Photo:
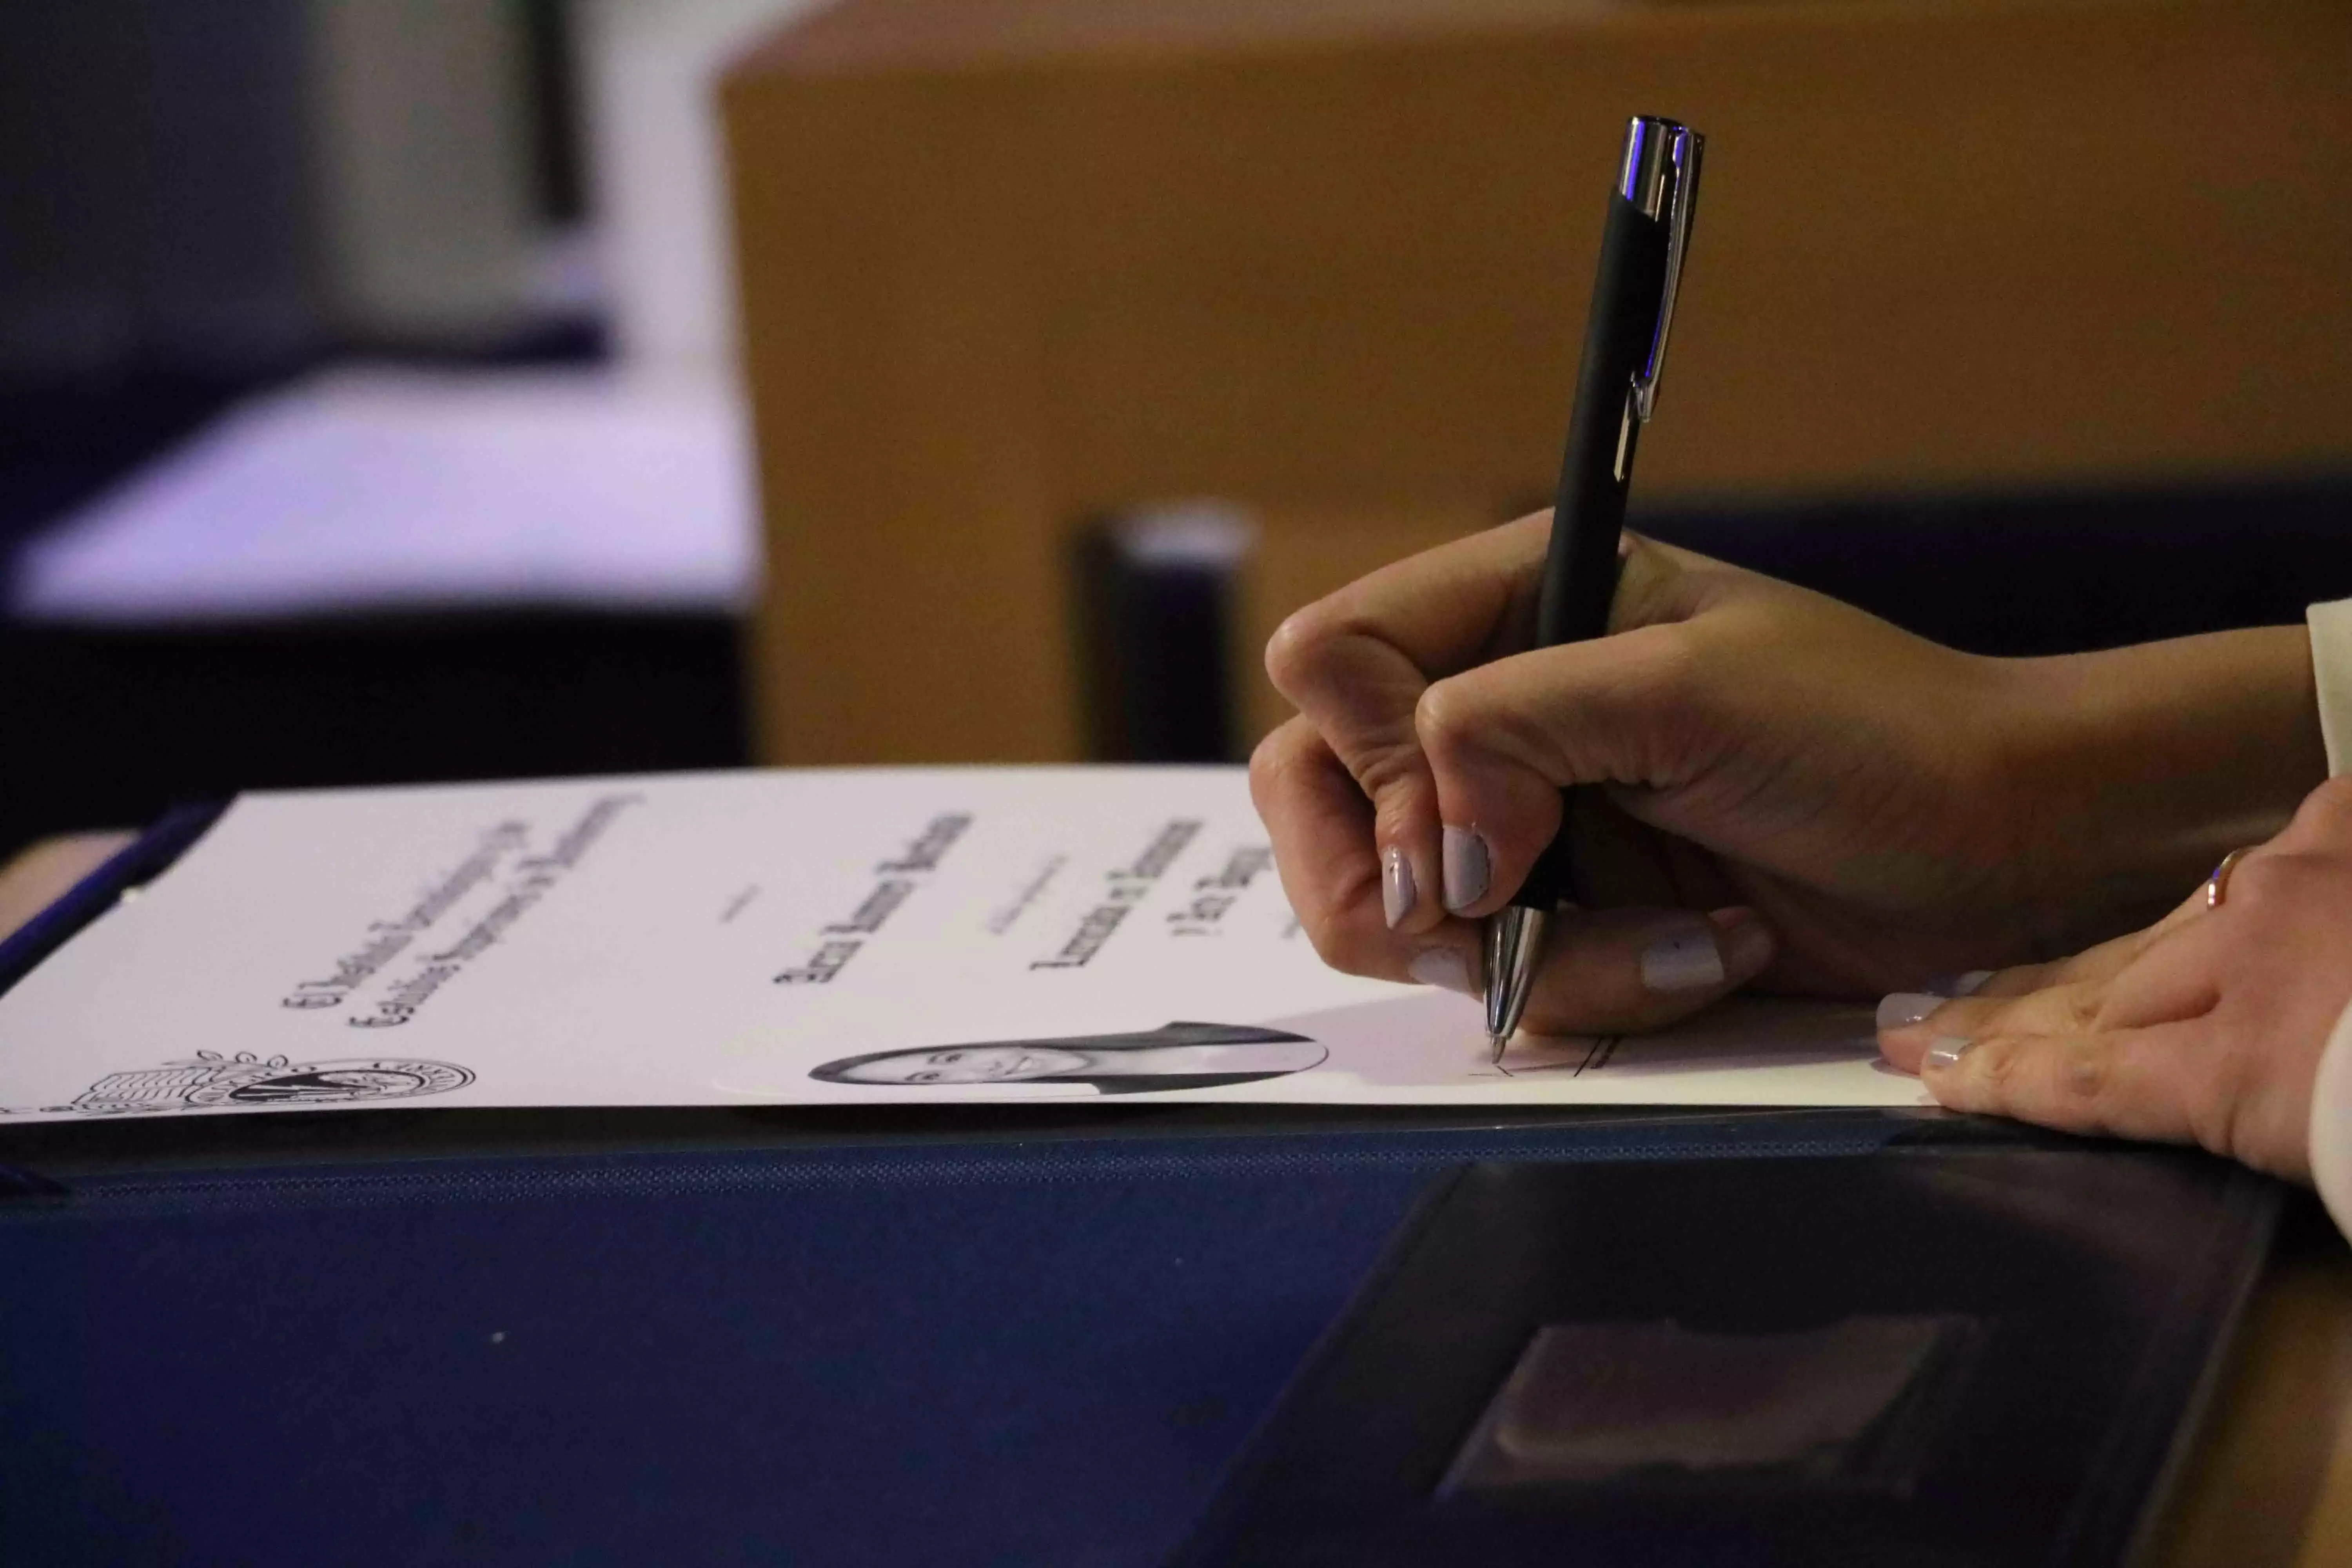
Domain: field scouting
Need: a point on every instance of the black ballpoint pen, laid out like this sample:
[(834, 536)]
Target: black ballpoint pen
[(1641, 251)]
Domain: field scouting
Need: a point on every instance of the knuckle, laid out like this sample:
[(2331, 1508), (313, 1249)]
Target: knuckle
[(2082, 1073), (1275, 755), (1300, 650), (2262, 881), (1443, 716), (2078, 1007), (1479, 714), (1328, 654), (1996, 1062)]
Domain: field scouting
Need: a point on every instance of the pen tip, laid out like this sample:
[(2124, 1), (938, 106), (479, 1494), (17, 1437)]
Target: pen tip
[(1497, 1042)]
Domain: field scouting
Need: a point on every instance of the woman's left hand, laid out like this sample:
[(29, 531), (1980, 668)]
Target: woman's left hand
[(2207, 1027)]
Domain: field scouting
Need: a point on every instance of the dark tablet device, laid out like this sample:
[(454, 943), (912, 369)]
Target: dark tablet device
[(1948, 1355)]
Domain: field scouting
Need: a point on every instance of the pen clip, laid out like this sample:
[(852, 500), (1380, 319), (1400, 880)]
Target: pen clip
[(1682, 159)]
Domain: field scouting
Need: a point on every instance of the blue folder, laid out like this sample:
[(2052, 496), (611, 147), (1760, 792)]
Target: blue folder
[(866, 1336)]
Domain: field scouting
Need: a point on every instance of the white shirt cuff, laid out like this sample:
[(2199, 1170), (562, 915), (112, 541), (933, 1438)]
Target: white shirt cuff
[(2331, 1125), (2331, 1092), (2331, 667)]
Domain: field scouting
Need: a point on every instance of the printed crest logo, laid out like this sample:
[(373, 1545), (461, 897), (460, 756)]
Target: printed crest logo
[(210, 1080)]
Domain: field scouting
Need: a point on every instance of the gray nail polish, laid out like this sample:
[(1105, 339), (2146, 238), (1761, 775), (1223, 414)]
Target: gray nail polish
[(1442, 966), (1903, 1008), (1689, 959), (1946, 1053), (1397, 891), (1467, 868)]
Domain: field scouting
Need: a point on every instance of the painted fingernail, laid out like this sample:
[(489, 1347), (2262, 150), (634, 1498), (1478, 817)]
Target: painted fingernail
[(1688, 960), (1746, 941), (1904, 1007), (1967, 984), (1397, 891), (1442, 966), (1467, 868), (1946, 1053)]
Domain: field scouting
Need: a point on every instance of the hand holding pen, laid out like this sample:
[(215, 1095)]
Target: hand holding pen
[(1643, 245), (1785, 792), (1411, 733), (1330, 669), (1777, 789)]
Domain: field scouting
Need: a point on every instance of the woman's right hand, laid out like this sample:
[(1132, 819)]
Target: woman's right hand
[(1790, 791), (2208, 1028)]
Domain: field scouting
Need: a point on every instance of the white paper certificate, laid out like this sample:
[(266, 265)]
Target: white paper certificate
[(901, 935)]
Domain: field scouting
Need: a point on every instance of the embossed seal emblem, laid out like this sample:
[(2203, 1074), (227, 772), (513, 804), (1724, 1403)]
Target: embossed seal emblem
[(209, 1080)]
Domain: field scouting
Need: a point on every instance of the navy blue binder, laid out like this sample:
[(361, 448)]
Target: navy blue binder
[(870, 1336)]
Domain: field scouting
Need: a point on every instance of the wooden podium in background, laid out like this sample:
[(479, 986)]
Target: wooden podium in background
[(1010, 264)]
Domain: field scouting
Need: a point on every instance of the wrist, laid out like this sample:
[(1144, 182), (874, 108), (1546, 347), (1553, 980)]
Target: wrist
[(2131, 772)]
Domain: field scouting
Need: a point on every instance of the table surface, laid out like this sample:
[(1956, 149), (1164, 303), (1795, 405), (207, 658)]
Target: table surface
[(2270, 1486)]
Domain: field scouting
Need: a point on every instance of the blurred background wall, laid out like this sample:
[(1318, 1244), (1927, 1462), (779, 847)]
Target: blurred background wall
[(2024, 323), (402, 389), (158, 198), (242, 185), (368, 399)]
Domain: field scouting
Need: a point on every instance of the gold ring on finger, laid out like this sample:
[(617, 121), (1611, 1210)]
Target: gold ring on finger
[(2216, 886)]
